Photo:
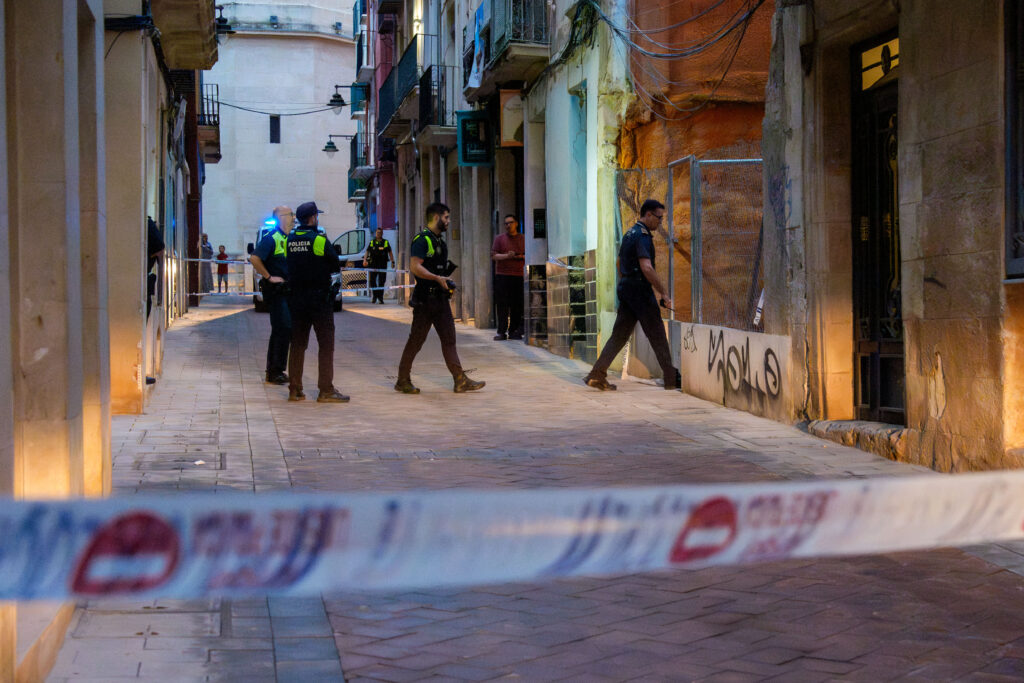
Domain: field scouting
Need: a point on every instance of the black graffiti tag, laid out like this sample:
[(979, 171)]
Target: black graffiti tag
[(732, 367)]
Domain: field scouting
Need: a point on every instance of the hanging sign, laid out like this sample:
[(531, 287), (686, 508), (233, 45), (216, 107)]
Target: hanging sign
[(475, 139)]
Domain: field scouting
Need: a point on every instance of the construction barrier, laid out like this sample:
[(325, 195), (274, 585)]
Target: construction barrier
[(193, 546)]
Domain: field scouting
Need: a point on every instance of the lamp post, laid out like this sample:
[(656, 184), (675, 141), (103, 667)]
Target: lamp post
[(337, 101), (330, 148)]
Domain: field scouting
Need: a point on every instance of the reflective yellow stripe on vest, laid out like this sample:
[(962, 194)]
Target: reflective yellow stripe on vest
[(319, 244), (430, 243), (280, 244)]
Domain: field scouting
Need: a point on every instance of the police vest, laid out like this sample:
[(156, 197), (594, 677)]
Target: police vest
[(378, 251), (311, 260)]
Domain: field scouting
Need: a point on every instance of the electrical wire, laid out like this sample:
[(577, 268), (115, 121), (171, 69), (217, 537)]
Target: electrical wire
[(275, 113)]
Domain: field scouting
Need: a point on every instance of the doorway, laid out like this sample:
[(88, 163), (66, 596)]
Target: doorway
[(880, 387)]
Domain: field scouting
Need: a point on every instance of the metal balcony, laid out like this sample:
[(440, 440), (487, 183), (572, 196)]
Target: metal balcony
[(516, 46), (209, 124), (387, 104), (358, 16), (356, 189), (437, 101), (402, 85), (360, 100), (364, 69), (359, 156)]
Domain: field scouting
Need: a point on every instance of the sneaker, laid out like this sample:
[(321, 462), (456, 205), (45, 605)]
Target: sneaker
[(332, 396), (500, 337), (296, 395), (277, 378), (601, 383), (463, 384), (406, 387)]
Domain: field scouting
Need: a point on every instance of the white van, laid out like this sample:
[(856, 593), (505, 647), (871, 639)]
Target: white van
[(351, 247)]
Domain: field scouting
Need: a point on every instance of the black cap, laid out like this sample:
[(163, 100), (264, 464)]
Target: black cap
[(306, 210)]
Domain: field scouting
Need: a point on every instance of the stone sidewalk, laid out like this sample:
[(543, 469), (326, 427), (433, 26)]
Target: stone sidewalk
[(213, 425)]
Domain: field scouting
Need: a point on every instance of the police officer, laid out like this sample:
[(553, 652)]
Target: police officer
[(311, 261), (269, 260), (378, 253), (638, 283), (428, 261)]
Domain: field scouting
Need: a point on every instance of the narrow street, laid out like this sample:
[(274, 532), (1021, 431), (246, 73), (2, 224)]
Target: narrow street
[(212, 424)]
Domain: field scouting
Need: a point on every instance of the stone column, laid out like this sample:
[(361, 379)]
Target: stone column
[(44, 249), (481, 255)]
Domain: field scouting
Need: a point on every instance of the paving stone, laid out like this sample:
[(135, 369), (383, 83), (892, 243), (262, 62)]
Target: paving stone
[(935, 615)]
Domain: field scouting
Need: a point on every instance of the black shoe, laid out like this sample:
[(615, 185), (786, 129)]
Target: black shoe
[(601, 383), (296, 395), (463, 384), (406, 387), (278, 378), (677, 385), (332, 396), (517, 336), (150, 380), (500, 337)]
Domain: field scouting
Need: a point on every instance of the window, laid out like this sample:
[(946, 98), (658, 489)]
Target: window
[(1014, 144), (275, 129)]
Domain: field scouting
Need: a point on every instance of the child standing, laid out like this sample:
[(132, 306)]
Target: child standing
[(222, 270)]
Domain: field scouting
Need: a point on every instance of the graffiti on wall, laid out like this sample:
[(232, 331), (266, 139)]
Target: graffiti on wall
[(745, 370)]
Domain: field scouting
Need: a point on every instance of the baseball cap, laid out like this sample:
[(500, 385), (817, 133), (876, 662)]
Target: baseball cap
[(305, 210)]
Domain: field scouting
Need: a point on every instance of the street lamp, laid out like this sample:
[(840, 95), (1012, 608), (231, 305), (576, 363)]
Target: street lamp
[(337, 101), (332, 148)]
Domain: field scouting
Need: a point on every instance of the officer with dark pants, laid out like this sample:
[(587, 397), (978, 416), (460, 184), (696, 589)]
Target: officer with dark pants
[(269, 260), (311, 261), (638, 284), (378, 253), (428, 261)]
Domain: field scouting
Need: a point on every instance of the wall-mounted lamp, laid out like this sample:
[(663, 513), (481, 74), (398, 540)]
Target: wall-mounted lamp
[(332, 148), (222, 27), (337, 101)]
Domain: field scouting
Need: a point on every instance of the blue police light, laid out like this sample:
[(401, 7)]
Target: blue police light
[(270, 222)]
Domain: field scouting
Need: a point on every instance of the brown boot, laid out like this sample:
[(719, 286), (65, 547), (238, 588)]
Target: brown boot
[(601, 383), (463, 384), (332, 396), (406, 386), (296, 395)]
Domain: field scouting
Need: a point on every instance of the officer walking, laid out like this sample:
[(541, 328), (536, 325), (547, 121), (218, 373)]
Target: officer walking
[(429, 262), (638, 283), (311, 261), (378, 253), (269, 260)]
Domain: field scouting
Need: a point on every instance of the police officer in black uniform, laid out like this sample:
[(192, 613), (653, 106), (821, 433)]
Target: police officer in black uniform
[(311, 261), (378, 253), (638, 283), (429, 262), (270, 261)]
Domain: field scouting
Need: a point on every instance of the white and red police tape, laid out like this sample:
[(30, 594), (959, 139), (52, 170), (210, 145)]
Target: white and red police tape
[(198, 545)]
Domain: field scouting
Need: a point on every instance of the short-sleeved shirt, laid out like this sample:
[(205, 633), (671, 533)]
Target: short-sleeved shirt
[(378, 252), (222, 268), (273, 252), (505, 243), (637, 244), (434, 252)]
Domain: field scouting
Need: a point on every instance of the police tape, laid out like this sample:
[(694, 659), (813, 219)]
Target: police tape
[(239, 544)]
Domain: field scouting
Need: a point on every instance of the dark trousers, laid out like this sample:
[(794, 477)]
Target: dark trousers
[(637, 304), (377, 285), (280, 332), (433, 311), (508, 299), (318, 315)]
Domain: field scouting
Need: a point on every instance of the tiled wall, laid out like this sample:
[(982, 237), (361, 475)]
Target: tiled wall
[(572, 307), (536, 309)]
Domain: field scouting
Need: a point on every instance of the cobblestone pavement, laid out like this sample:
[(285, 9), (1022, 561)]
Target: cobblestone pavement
[(213, 425)]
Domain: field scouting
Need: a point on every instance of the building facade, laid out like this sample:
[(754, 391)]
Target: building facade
[(892, 218), (282, 61)]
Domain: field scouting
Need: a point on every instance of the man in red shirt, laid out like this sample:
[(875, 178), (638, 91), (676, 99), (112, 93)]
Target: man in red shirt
[(222, 270), (508, 253)]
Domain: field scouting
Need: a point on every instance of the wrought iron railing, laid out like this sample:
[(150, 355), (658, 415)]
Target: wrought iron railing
[(360, 49), (517, 21), (387, 101), (438, 96), (358, 151), (408, 69), (360, 97), (209, 114)]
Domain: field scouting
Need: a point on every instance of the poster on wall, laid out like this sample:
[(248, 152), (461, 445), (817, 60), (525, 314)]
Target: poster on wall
[(475, 143), (480, 23), (511, 119)]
